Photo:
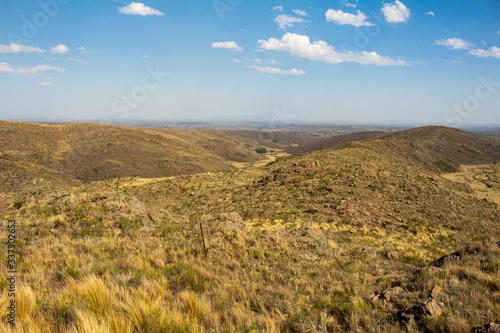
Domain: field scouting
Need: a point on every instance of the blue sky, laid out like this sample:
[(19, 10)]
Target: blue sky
[(317, 62)]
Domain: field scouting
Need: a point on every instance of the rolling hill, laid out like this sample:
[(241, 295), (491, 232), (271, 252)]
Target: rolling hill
[(335, 140), (397, 233), (71, 154)]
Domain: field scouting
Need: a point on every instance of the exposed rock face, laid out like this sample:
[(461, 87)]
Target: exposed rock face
[(426, 270), (225, 221), (488, 328), (393, 255), (389, 295), (231, 220), (417, 312)]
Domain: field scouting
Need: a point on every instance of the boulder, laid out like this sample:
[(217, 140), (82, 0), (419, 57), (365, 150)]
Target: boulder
[(392, 255), (417, 312), (426, 270), (488, 328)]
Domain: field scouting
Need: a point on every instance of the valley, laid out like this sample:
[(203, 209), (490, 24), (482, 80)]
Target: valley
[(395, 232)]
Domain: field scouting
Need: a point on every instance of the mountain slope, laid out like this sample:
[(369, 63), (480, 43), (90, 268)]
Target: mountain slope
[(68, 154), (368, 236)]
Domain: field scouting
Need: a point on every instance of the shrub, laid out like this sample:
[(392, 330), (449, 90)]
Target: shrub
[(261, 150)]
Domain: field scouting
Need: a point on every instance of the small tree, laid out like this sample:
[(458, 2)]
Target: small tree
[(261, 150)]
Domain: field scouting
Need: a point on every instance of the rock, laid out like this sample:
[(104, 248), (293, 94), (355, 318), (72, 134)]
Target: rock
[(393, 255), (313, 233), (144, 229), (488, 328), (418, 312), (426, 270), (136, 206), (389, 295), (454, 257), (431, 308), (352, 231), (229, 221), (436, 292)]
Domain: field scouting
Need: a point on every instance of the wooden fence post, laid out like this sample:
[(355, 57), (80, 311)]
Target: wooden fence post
[(203, 239)]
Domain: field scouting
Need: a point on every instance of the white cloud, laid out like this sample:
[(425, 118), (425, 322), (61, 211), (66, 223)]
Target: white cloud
[(48, 83), (395, 13), (454, 43), (300, 12), (59, 49), (77, 60), (18, 48), (275, 70), (498, 32), (273, 61), (146, 56), (349, 4), (492, 52), (457, 62), (237, 61), (6, 68), (138, 8), (341, 18), (285, 21), (259, 61), (231, 45), (430, 13), (84, 50), (278, 8), (300, 46)]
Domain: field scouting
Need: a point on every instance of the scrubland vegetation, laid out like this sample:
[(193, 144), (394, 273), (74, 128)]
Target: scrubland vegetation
[(372, 236)]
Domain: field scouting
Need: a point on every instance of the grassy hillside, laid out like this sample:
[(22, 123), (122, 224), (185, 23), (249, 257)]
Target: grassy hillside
[(71, 154), (386, 235)]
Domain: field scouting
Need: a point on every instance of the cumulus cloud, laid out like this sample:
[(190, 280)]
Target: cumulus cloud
[(59, 49), (492, 52), (275, 70), (258, 61), (231, 45), (430, 13), (278, 8), (6, 68), (342, 18), (285, 21), (395, 13), (300, 46), (237, 61), (454, 43), (18, 48), (300, 12), (138, 8)]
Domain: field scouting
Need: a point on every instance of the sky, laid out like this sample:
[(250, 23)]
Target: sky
[(295, 62)]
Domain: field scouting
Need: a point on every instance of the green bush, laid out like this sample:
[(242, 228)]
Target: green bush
[(261, 150)]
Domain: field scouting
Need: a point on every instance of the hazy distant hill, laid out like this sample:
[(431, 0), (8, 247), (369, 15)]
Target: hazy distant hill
[(337, 140), (278, 127), (490, 134)]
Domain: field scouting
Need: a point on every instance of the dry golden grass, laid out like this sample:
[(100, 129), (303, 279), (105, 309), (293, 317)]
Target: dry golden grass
[(316, 242)]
